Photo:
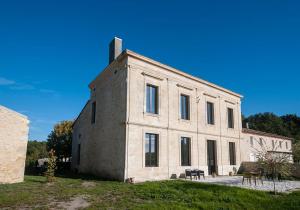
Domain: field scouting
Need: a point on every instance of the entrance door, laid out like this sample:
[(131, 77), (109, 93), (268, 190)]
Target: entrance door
[(211, 157)]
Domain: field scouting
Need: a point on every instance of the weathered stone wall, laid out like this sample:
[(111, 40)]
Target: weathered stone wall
[(13, 145), (114, 147), (103, 143), (250, 148)]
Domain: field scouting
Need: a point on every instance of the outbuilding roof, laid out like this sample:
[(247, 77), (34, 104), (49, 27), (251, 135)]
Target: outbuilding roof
[(261, 133)]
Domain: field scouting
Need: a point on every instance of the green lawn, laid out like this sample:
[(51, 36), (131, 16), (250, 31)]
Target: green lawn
[(36, 193)]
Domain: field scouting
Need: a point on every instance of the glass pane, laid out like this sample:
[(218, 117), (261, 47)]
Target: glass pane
[(148, 99), (185, 151), (151, 150), (232, 153), (184, 107), (230, 118), (147, 150), (151, 99), (210, 113)]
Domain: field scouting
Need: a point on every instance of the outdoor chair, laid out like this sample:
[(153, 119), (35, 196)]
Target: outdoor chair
[(247, 176), (256, 175), (200, 173), (191, 173)]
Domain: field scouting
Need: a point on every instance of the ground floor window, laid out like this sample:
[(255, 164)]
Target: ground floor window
[(78, 154), (232, 158), (151, 150), (185, 151)]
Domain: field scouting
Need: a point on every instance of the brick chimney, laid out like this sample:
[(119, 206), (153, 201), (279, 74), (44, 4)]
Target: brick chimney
[(115, 49)]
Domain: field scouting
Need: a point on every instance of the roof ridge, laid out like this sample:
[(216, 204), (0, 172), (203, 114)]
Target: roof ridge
[(248, 130)]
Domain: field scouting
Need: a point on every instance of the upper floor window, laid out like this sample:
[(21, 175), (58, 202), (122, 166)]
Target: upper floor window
[(185, 107), (230, 118), (251, 140), (280, 144), (260, 141), (273, 144), (93, 119), (210, 113), (286, 145), (151, 150), (185, 151), (232, 156), (152, 99)]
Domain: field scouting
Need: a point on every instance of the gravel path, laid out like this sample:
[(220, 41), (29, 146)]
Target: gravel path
[(283, 186)]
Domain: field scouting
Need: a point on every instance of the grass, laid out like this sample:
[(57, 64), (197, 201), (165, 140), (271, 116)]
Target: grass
[(34, 192)]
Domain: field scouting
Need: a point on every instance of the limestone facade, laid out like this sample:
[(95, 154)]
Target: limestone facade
[(13, 145), (113, 143), (255, 142)]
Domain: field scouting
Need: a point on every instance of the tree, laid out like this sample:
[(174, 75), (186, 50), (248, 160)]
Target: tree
[(286, 125), (267, 122), (60, 139), (35, 151), (296, 152), (274, 163), (51, 166)]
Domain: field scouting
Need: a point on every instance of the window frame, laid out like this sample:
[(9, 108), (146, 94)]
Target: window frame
[(78, 153), (148, 110), (189, 158), (232, 153), (261, 141), (93, 113), (212, 121), (251, 141), (187, 115), (150, 165), (230, 124), (280, 144)]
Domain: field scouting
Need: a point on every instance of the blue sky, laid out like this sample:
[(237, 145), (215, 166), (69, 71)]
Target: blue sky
[(51, 50)]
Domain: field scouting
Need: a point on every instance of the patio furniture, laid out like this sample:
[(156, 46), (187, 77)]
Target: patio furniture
[(196, 173), (247, 176), (256, 175), (199, 173)]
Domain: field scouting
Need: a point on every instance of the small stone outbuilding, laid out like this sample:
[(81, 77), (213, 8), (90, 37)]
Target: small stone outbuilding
[(13, 145)]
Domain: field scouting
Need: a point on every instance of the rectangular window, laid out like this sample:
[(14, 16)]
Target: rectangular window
[(93, 119), (230, 118), (152, 99), (232, 158), (185, 151), (251, 140), (185, 107), (260, 141), (210, 113), (78, 154), (280, 144), (286, 145), (151, 150), (273, 144)]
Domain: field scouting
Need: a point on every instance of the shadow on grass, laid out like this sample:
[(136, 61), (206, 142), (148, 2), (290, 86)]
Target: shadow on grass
[(87, 177)]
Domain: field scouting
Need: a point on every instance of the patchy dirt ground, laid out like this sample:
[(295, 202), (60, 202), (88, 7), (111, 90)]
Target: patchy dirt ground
[(78, 202), (88, 184)]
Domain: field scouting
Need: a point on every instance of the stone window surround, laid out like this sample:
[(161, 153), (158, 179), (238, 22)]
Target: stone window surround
[(191, 149), (148, 80), (158, 133)]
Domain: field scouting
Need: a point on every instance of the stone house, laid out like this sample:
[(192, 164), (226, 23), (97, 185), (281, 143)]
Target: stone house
[(256, 141), (150, 121), (13, 145)]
